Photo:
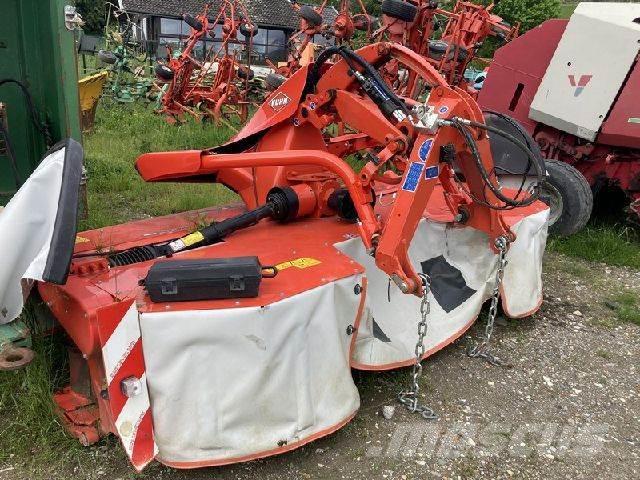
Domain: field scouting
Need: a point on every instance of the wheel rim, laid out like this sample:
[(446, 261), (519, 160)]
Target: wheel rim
[(551, 196)]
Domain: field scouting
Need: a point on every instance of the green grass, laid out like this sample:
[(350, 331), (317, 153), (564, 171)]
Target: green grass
[(611, 243), (626, 307), (29, 427), (116, 193)]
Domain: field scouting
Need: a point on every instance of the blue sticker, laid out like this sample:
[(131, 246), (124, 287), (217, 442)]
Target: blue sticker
[(425, 149), (443, 109), (413, 177), (431, 172)]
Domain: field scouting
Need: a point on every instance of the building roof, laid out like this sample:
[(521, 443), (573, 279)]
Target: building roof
[(271, 13), (274, 13)]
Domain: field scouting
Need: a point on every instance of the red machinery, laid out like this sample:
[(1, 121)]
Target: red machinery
[(414, 23), (190, 89), (172, 380), (574, 85), (302, 49)]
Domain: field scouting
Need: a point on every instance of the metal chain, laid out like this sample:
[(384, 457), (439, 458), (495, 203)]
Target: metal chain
[(409, 398), (481, 349)]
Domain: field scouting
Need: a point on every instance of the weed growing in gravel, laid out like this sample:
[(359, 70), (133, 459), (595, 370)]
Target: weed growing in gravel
[(626, 306)]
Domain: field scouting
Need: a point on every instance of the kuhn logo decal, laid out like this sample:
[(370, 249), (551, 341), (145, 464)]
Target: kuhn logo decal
[(279, 101), (580, 84)]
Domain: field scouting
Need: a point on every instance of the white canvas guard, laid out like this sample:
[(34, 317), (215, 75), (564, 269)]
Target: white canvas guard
[(235, 384), (40, 215), (462, 280)]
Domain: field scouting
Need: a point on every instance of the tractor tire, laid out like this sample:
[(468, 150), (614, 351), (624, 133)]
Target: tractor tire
[(244, 72), (398, 9), (193, 22), (310, 15), (163, 72), (569, 197), (273, 81), (437, 49), (105, 56), (248, 30)]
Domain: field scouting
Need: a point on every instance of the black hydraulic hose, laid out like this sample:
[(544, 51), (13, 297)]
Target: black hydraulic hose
[(462, 126), (375, 75), (35, 118)]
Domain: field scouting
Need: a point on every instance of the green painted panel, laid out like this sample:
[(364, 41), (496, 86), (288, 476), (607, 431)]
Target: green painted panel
[(37, 50)]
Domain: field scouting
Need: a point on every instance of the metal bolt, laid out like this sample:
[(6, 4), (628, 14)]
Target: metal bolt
[(357, 289), (350, 330), (131, 387), (312, 106), (296, 122)]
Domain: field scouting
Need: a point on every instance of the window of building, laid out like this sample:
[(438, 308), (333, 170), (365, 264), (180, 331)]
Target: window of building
[(267, 43)]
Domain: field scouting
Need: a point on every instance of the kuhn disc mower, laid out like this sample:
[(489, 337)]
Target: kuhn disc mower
[(575, 86), (235, 340), (218, 86)]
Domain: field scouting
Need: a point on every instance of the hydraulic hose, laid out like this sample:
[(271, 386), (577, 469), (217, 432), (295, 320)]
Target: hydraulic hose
[(372, 83), (462, 126)]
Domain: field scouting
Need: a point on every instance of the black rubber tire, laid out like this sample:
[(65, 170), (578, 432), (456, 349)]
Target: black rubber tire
[(310, 15), (163, 72), (437, 49), (398, 9), (244, 71), (577, 198), (193, 22), (273, 81), (105, 56), (248, 30)]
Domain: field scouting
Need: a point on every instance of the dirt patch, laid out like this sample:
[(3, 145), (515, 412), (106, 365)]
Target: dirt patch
[(569, 407)]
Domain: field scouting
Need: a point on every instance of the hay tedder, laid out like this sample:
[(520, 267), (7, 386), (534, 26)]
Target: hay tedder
[(302, 49), (465, 30), (235, 340), (216, 87)]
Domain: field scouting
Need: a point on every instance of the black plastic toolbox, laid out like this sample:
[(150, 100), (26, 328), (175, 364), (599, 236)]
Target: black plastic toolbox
[(206, 279)]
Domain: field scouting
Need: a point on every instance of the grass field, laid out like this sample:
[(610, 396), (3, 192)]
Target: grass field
[(28, 427), (115, 191)]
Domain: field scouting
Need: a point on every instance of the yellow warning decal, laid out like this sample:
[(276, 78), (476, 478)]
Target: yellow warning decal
[(192, 239), (299, 263), (80, 239)]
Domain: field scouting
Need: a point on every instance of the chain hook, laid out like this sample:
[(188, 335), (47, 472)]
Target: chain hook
[(409, 398), (481, 349)]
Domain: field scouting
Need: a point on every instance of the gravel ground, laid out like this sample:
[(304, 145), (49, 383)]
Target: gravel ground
[(568, 408)]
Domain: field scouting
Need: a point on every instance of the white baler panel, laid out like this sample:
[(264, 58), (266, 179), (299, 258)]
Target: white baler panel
[(592, 60)]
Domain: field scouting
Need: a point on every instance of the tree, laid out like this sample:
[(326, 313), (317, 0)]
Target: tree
[(530, 13), (93, 13)]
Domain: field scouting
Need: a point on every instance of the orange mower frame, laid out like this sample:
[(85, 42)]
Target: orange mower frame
[(287, 144)]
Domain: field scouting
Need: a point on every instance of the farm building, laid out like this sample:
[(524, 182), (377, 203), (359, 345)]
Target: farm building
[(162, 25)]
